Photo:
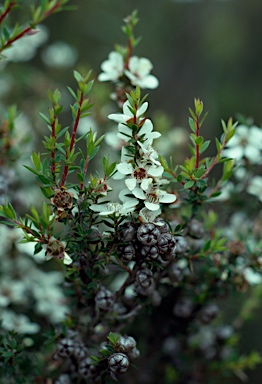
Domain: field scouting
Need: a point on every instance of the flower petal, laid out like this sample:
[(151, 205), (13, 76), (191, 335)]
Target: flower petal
[(130, 183), (151, 206)]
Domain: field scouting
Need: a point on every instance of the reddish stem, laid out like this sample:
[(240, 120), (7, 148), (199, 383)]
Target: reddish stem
[(17, 37), (85, 170), (209, 169), (8, 9), (53, 166), (73, 138), (197, 145), (129, 53), (27, 29)]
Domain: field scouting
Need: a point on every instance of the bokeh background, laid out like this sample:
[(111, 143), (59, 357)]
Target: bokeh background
[(211, 49)]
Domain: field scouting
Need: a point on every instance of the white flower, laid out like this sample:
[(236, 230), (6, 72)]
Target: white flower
[(113, 140), (127, 115), (145, 133), (255, 187), (252, 277), (147, 152), (59, 55), (20, 323), (141, 173), (147, 216), (115, 208), (139, 73), (246, 143), (113, 68), (154, 197)]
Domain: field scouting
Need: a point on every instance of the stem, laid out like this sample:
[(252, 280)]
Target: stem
[(85, 170), (17, 37), (129, 53), (215, 161), (73, 139), (175, 176), (197, 145), (53, 166), (26, 30), (8, 9), (50, 11)]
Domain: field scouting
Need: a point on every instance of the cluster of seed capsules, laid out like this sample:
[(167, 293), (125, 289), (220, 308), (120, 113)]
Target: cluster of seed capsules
[(79, 365), (146, 242)]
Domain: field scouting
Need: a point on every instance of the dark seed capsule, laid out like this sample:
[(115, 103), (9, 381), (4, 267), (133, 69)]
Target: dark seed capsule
[(208, 313), (148, 234), (150, 252), (182, 246), (126, 343), (127, 232), (183, 308), (126, 252), (166, 243), (161, 225), (144, 277), (65, 347), (195, 229), (118, 363), (104, 299), (86, 368)]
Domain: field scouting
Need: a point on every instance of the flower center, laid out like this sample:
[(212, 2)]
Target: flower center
[(152, 197), (140, 174)]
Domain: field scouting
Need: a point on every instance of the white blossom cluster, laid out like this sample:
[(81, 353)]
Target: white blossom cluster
[(137, 70), (24, 285), (245, 144), (245, 147), (139, 167)]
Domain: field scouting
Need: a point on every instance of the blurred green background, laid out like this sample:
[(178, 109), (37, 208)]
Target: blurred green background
[(209, 49)]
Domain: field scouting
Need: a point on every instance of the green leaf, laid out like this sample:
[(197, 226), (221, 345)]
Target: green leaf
[(45, 118), (192, 124), (36, 160), (31, 170), (72, 93), (192, 114), (199, 140), (113, 338), (204, 146), (9, 211), (189, 184), (78, 77)]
